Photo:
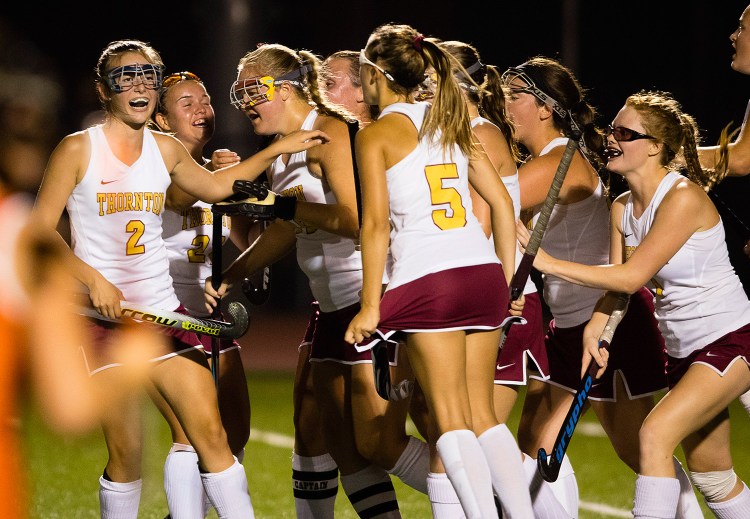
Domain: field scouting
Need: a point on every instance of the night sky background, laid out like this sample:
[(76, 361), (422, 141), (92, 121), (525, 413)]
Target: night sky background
[(615, 48)]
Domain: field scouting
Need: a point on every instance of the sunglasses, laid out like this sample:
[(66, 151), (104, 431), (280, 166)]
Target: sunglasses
[(623, 134), (364, 61), (177, 77), (122, 79), (247, 93)]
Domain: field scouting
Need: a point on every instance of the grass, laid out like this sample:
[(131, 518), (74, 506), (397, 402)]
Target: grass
[(63, 472)]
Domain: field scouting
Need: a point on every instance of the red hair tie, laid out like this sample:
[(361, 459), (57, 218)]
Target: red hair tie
[(417, 42)]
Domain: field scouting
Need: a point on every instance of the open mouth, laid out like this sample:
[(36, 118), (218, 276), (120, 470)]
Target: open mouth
[(201, 123), (610, 153), (139, 102)]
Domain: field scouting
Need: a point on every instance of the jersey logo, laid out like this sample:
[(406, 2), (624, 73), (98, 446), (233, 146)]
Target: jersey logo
[(109, 181)]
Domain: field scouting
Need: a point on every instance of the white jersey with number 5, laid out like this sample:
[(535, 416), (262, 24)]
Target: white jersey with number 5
[(434, 227), (189, 239), (115, 215)]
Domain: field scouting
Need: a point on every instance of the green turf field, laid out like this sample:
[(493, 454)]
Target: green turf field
[(64, 472)]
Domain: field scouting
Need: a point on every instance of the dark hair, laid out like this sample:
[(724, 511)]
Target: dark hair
[(490, 96), (557, 81)]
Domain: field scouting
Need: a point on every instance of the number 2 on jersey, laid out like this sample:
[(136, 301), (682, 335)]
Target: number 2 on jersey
[(439, 194)]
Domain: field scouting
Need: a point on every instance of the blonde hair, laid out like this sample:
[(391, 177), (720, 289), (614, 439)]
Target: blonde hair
[(276, 60)]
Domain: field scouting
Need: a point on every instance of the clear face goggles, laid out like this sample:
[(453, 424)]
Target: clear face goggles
[(247, 93), (122, 79), (531, 88), (426, 89)]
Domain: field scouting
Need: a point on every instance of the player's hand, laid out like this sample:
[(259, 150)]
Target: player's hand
[(363, 325), (213, 296), (223, 158), (516, 307), (105, 297), (299, 140), (541, 259), (591, 350)]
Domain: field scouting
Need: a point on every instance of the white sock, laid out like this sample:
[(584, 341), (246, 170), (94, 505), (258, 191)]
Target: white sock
[(371, 493), (565, 487), (119, 500), (656, 497), (688, 506), (745, 400), (506, 467), (543, 500), (316, 483), (467, 470), (182, 483), (443, 498), (736, 508), (413, 465), (228, 492)]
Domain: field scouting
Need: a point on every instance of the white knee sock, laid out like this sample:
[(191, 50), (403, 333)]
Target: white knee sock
[(182, 483), (736, 508), (543, 500), (316, 483), (468, 471), (119, 500), (655, 497), (443, 498), (413, 465), (506, 467), (371, 493), (687, 506), (228, 492), (745, 400), (565, 488)]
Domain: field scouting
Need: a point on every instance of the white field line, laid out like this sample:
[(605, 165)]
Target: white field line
[(587, 429)]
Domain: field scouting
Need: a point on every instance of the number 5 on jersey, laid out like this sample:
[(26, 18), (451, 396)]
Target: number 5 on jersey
[(455, 216)]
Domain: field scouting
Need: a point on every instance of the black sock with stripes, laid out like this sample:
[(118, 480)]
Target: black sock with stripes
[(371, 493)]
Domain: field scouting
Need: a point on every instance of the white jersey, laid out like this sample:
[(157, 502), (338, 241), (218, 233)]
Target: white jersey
[(434, 227), (189, 239), (577, 232), (14, 213), (699, 298), (514, 190), (331, 262), (115, 219)]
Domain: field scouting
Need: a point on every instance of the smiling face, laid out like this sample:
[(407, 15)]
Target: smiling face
[(523, 110), (740, 39), (627, 155), (267, 103), (188, 113), (137, 98)]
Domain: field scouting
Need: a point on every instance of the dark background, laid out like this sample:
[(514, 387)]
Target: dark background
[(615, 49)]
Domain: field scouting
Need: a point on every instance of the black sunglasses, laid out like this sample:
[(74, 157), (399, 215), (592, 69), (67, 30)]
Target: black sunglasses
[(622, 134)]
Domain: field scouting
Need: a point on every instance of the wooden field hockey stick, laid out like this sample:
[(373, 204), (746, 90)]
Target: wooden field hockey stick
[(518, 282), (233, 329), (549, 466)]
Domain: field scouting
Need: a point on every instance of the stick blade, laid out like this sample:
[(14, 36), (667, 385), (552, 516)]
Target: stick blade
[(239, 319), (548, 467)]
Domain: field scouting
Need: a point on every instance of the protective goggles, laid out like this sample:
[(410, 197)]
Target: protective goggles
[(122, 79), (364, 61), (530, 88), (623, 134), (247, 93), (177, 77)]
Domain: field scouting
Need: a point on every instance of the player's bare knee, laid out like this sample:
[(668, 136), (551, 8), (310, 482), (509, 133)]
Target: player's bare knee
[(714, 486)]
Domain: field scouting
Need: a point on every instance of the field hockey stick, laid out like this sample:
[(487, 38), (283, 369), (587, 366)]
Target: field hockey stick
[(549, 466), (255, 295), (216, 268), (518, 282), (233, 329)]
